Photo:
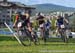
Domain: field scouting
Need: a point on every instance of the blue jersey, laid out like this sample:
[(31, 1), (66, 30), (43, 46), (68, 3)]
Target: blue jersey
[(48, 24), (60, 21)]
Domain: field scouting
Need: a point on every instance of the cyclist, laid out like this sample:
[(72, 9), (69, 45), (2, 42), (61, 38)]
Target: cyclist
[(61, 24), (41, 21), (48, 26), (23, 20)]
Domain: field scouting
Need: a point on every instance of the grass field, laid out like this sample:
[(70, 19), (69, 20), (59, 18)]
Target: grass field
[(8, 44)]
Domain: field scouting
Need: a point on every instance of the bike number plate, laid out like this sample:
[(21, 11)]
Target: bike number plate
[(41, 25), (62, 26), (19, 24)]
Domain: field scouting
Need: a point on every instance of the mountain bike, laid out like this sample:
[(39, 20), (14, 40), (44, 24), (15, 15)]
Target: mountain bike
[(26, 36), (43, 32), (62, 32)]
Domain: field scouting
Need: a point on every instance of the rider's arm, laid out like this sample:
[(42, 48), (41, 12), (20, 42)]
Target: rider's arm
[(17, 17), (66, 20), (71, 15), (29, 27)]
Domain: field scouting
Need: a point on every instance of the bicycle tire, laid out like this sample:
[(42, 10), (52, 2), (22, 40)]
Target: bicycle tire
[(24, 38)]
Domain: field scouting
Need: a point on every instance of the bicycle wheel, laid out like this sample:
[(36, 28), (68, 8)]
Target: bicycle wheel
[(43, 36), (63, 35), (24, 37), (35, 39)]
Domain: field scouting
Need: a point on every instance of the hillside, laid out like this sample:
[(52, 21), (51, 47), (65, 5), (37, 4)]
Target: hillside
[(51, 7)]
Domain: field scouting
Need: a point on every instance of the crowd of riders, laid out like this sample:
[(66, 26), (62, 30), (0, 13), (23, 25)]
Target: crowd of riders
[(43, 22)]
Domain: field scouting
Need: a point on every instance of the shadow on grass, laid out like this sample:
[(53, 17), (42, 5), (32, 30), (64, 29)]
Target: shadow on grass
[(7, 38), (57, 44), (12, 38), (14, 45)]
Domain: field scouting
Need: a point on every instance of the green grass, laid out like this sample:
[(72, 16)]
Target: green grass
[(9, 44)]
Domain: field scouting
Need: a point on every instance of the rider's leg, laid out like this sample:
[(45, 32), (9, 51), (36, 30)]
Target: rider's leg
[(44, 34), (57, 31), (62, 32), (29, 29), (41, 32)]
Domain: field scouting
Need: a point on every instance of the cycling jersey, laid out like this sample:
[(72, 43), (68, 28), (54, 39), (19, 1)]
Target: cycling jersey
[(22, 19), (17, 17), (40, 19), (60, 21), (48, 24)]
